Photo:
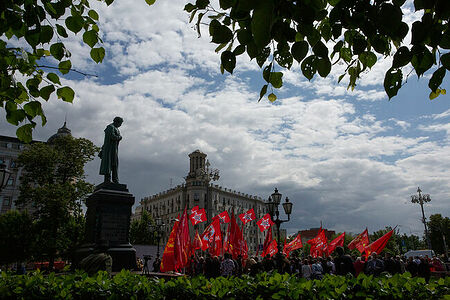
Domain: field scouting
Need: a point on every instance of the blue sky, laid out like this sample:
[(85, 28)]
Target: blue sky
[(348, 159)]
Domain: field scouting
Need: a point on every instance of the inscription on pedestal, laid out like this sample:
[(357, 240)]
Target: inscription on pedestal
[(114, 227)]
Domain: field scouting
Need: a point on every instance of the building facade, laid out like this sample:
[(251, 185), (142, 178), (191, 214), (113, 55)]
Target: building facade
[(10, 148), (311, 233), (198, 189)]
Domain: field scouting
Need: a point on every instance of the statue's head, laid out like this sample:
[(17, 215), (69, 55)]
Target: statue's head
[(117, 121)]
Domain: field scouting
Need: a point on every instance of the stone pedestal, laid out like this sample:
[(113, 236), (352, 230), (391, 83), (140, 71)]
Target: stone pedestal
[(108, 222)]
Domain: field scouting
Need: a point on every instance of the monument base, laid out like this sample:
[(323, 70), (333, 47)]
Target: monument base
[(108, 223)]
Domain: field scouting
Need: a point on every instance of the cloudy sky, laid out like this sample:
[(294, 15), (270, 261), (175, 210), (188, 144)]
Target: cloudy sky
[(348, 159)]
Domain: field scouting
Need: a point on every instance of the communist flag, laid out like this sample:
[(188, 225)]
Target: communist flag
[(224, 217), (272, 249), (295, 244), (209, 233), (168, 259), (195, 208), (216, 248), (318, 244), (198, 216), (265, 222), (182, 242), (267, 242), (247, 216), (339, 241), (379, 244), (234, 243), (360, 242), (196, 243)]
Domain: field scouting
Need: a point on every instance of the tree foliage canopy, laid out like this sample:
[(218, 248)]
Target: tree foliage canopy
[(439, 231), (140, 231), (360, 33), (53, 187)]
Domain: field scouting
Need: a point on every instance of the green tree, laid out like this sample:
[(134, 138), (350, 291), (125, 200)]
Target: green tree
[(439, 229), (53, 184), (43, 27), (140, 231), (278, 32), (17, 237), (411, 242)]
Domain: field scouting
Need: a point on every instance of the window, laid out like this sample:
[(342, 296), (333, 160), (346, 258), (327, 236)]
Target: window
[(13, 164), (11, 181), (4, 144), (16, 146), (7, 201)]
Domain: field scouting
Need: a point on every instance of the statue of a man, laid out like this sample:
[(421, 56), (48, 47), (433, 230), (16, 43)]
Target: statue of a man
[(110, 150)]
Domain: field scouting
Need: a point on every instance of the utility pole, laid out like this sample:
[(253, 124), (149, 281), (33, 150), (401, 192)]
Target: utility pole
[(421, 199)]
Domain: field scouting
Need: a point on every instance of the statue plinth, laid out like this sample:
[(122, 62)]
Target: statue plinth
[(108, 221)]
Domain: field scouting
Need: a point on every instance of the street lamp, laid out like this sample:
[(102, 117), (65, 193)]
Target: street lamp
[(272, 204), (4, 175), (158, 230), (421, 199)]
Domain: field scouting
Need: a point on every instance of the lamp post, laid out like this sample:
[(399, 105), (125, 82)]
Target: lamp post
[(157, 228), (4, 175), (272, 204), (421, 199)]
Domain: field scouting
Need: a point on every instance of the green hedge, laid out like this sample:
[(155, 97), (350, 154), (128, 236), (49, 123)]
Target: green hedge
[(265, 286)]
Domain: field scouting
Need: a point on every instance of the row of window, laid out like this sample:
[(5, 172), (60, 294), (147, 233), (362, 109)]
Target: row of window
[(7, 145)]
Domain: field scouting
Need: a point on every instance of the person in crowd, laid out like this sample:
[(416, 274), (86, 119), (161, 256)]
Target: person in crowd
[(331, 266), (423, 269), (412, 267), (316, 269), (390, 265), (227, 267), (268, 264), (437, 264), (374, 265), (343, 263), (306, 270), (400, 264), (359, 266), (209, 266)]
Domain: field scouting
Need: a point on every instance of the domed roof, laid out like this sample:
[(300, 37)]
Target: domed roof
[(63, 131)]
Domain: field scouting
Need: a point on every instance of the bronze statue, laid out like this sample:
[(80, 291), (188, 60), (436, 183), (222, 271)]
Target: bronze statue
[(110, 150)]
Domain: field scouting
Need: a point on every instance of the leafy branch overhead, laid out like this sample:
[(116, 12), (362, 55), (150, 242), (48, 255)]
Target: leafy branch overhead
[(359, 32), (43, 26)]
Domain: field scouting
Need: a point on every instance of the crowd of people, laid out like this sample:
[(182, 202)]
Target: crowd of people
[(314, 268)]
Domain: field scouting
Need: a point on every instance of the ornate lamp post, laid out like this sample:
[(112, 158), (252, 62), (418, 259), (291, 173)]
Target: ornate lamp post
[(272, 204), (4, 176), (157, 228), (421, 199)]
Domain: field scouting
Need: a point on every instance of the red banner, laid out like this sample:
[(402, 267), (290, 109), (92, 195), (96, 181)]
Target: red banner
[(209, 233), (265, 222), (379, 244), (295, 244), (247, 216), (198, 216), (360, 242), (337, 242), (182, 242), (224, 217), (168, 259)]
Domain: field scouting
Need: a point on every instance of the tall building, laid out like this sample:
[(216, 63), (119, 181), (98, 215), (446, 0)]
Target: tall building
[(311, 233), (10, 148), (199, 190)]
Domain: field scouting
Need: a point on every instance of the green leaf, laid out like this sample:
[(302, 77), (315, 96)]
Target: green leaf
[(46, 91), (66, 93), (320, 49), (32, 37), (244, 36), (445, 40), (368, 59), (436, 79), (262, 57), (61, 30), (220, 33), (393, 81), (189, 7), (90, 38), (323, 66), (65, 66), (309, 67), (15, 116), (201, 4), (272, 97), (228, 60), (150, 2), (93, 14), (33, 108), (283, 58), (299, 50), (276, 79), (422, 60), (53, 78), (97, 54), (346, 54), (74, 23), (313, 37), (239, 50), (57, 50), (402, 57), (46, 34), (266, 72), (262, 23), (263, 92), (445, 60), (25, 133)]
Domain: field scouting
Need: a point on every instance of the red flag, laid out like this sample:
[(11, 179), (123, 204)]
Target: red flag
[(265, 222), (198, 216), (267, 242), (247, 216), (182, 242), (360, 242), (168, 259), (208, 234), (216, 246), (379, 244), (197, 242), (194, 209), (295, 244), (235, 240), (273, 248), (224, 217), (339, 241), (318, 244)]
